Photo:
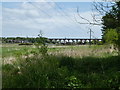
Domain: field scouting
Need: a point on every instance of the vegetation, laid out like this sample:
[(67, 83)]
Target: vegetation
[(21, 40), (61, 71), (111, 25), (112, 37), (41, 44), (111, 20), (42, 66)]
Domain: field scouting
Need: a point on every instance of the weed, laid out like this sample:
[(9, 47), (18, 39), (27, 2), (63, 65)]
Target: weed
[(63, 72)]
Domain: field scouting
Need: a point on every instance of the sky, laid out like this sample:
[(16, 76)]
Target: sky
[(54, 19)]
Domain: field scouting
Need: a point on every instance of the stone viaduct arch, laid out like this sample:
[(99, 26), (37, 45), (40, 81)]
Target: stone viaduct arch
[(73, 40)]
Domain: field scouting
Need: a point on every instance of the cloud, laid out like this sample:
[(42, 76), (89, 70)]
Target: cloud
[(28, 19)]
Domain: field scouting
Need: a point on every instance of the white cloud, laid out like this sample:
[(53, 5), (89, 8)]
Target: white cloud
[(28, 20)]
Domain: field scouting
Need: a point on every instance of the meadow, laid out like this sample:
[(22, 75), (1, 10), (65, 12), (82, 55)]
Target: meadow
[(77, 66)]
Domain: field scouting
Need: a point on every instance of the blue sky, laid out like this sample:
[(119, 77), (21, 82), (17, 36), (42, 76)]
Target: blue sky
[(55, 19)]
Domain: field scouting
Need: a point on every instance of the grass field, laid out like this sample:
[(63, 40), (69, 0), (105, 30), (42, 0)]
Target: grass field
[(13, 50), (63, 67)]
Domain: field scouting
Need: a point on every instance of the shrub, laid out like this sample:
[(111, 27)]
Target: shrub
[(63, 72)]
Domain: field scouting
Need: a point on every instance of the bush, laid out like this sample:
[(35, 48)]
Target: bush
[(63, 72), (113, 37)]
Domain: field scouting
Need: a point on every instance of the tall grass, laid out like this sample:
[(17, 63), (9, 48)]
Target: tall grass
[(63, 72), (62, 67)]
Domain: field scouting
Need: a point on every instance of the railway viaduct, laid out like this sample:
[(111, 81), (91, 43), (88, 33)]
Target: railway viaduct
[(59, 40), (72, 40)]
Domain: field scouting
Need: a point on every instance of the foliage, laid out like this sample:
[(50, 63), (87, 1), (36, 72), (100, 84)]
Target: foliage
[(41, 44), (118, 41), (111, 25), (44, 49), (63, 72), (111, 36), (73, 82), (111, 20)]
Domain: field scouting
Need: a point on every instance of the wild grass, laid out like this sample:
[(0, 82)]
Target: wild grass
[(63, 72), (13, 51), (63, 67)]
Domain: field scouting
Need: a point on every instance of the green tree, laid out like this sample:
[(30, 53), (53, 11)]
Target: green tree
[(41, 44), (111, 26), (111, 37), (111, 20)]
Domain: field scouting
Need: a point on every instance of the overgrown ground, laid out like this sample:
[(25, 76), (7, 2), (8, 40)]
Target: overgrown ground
[(62, 67)]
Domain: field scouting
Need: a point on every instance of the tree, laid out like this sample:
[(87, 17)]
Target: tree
[(111, 26), (111, 37), (41, 44), (111, 20), (110, 16)]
